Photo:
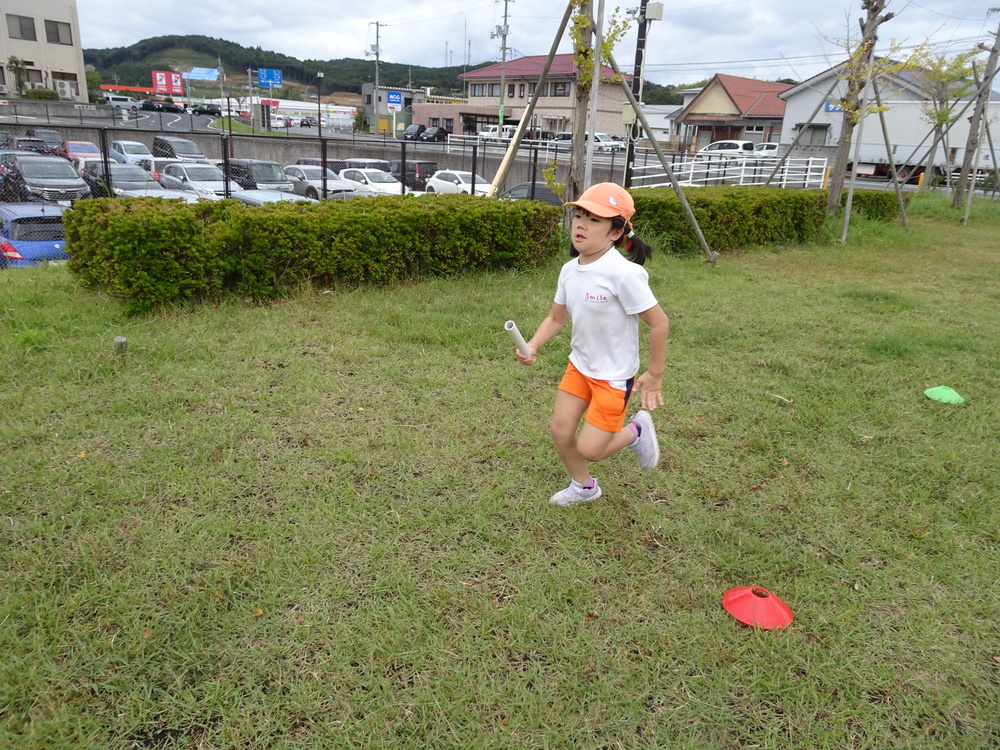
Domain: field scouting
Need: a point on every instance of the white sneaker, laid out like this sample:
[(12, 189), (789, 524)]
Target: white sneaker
[(645, 447), (576, 493)]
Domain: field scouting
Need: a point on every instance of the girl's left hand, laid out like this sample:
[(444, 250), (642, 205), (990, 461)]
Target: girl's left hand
[(650, 395)]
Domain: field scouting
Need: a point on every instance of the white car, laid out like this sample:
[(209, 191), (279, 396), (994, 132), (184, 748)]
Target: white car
[(727, 150), (307, 180), (450, 181), (604, 142), (765, 150), (374, 179)]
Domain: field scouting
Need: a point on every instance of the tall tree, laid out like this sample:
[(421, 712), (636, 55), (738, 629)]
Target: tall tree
[(972, 144), (856, 74), (582, 32)]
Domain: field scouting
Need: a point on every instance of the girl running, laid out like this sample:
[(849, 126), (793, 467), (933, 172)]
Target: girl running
[(606, 295)]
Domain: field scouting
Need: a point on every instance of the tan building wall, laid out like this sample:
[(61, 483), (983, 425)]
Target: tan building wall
[(54, 55), (715, 101), (552, 113)]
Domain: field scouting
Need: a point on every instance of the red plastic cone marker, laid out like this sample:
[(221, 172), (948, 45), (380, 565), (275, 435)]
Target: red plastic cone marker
[(753, 605)]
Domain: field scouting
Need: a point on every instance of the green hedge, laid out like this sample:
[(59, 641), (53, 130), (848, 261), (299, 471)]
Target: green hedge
[(877, 205), (45, 94), (731, 218), (151, 251)]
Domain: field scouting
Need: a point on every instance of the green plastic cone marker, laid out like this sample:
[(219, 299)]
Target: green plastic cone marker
[(944, 394)]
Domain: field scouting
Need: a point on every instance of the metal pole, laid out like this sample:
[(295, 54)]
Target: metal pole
[(595, 85), (515, 142), (640, 55), (710, 255), (319, 106)]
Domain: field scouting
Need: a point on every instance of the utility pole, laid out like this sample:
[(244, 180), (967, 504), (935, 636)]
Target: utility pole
[(377, 51), (643, 15), (502, 31), (972, 144)]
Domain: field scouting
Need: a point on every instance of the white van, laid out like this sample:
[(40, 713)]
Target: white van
[(494, 133), (121, 102)]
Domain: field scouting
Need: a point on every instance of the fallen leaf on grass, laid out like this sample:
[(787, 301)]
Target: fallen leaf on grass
[(258, 612), (148, 633)]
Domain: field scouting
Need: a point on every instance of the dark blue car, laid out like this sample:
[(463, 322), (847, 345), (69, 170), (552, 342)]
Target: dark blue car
[(31, 234)]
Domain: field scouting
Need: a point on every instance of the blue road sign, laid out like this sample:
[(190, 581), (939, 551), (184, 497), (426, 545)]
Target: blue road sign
[(269, 77), (395, 100)]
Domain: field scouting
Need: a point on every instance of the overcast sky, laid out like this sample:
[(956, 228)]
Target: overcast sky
[(766, 39)]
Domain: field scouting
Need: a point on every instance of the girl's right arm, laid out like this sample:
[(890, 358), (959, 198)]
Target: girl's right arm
[(549, 328)]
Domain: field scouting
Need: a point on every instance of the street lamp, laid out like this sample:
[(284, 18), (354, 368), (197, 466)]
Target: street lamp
[(645, 13), (319, 101)]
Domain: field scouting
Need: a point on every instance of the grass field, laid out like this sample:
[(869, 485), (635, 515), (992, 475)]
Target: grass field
[(323, 523)]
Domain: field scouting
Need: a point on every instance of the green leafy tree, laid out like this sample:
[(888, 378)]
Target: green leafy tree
[(17, 69), (93, 85)]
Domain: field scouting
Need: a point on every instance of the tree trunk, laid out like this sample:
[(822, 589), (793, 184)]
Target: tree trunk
[(975, 124), (857, 73), (584, 49)]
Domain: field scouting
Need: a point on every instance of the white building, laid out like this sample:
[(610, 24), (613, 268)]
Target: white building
[(907, 124), (45, 34)]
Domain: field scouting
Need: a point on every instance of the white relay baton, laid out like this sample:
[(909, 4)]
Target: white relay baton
[(511, 327)]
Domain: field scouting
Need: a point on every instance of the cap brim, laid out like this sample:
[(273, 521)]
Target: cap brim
[(605, 212)]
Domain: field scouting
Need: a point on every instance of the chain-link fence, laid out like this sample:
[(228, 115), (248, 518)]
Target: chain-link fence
[(412, 163)]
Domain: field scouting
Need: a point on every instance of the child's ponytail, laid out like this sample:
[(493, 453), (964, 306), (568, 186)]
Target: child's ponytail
[(638, 251)]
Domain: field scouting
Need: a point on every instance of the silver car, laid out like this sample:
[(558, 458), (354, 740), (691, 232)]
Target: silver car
[(130, 152), (307, 180), (203, 179)]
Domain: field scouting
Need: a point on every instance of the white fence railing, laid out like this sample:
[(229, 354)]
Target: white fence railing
[(794, 173)]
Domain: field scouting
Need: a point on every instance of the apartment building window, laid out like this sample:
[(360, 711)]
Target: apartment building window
[(510, 90), (494, 89), (449, 124), (57, 32), (21, 27), (520, 91), (543, 91), (433, 122), (560, 88), (478, 89)]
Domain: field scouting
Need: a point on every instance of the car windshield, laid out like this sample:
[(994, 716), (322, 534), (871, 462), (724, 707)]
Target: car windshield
[(83, 148), (37, 229), (186, 147), (45, 169), (466, 177), (377, 175), (135, 148), (206, 173), (316, 173), (268, 173), (128, 172)]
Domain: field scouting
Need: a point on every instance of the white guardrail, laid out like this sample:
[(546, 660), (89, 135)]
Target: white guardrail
[(794, 173)]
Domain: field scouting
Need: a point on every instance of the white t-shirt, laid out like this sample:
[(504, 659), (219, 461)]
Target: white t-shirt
[(604, 299)]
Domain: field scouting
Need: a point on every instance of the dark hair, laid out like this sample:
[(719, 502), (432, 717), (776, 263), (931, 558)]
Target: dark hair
[(639, 252)]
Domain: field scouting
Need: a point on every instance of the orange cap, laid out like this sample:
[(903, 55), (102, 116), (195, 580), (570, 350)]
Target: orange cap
[(606, 199)]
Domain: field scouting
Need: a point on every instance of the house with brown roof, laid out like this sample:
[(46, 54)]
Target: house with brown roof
[(515, 84), (731, 107)]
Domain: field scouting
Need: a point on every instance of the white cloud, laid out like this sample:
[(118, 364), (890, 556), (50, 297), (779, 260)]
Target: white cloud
[(782, 38)]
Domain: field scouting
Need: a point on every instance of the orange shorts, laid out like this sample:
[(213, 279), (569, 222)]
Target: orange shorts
[(607, 403)]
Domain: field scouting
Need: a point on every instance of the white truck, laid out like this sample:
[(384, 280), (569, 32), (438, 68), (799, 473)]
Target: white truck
[(911, 140)]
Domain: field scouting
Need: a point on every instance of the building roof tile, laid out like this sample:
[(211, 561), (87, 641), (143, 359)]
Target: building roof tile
[(531, 67)]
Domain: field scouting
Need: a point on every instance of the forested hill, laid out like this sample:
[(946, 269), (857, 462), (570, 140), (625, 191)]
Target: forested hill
[(132, 66)]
